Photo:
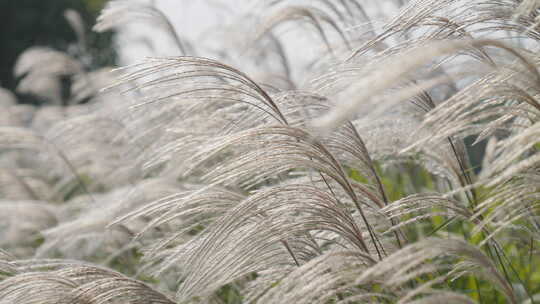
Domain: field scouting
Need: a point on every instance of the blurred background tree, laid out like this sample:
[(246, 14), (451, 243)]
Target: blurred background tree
[(27, 23)]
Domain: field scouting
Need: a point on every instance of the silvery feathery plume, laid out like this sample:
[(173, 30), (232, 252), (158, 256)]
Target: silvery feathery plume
[(345, 277), (20, 183), (22, 223), (270, 218), (36, 153), (77, 24), (222, 187), (44, 80), (87, 87), (120, 12), (501, 107), (313, 15), (12, 113), (84, 233), (7, 98), (78, 141), (66, 281)]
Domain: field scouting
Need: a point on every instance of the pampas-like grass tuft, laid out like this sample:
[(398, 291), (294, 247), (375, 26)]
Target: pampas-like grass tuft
[(253, 178)]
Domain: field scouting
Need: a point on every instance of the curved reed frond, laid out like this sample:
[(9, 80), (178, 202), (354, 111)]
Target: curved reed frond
[(384, 77), (424, 206), (119, 12), (84, 234), (344, 277), (77, 24), (278, 173), (249, 236), (313, 15), (64, 282)]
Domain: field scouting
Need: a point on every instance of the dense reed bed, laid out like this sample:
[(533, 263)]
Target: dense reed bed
[(332, 151)]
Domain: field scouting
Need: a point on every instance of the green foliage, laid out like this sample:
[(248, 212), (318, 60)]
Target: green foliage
[(94, 6)]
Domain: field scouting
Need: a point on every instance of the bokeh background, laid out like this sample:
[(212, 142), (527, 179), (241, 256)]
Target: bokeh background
[(29, 23)]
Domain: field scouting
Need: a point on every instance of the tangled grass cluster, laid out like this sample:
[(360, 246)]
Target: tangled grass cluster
[(336, 171)]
